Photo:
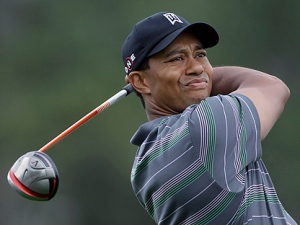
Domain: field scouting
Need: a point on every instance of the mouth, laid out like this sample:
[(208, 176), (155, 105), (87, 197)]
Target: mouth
[(198, 83)]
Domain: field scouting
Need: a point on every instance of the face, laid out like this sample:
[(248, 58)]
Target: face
[(179, 76)]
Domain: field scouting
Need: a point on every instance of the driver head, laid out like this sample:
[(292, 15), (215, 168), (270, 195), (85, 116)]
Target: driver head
[(34, 176)]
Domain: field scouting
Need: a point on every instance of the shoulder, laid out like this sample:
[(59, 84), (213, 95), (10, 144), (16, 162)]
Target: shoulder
[(225, 111), (226, 103)]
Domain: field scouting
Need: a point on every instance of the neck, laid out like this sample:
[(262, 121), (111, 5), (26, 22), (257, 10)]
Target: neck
[(154, 111)]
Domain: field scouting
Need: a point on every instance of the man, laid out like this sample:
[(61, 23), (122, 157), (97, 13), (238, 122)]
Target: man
[(199, 156)]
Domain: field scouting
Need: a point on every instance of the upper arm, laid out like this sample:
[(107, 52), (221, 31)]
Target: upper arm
[(269, 95)]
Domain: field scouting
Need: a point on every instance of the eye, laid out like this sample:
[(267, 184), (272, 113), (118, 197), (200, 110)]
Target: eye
[(201, 54), (177, 58)]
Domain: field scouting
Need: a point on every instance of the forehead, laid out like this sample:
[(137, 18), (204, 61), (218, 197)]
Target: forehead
[(185, 40)]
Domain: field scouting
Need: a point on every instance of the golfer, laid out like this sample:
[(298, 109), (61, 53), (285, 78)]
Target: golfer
[(199, 155)]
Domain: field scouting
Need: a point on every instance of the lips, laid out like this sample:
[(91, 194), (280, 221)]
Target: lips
[(198, 83)]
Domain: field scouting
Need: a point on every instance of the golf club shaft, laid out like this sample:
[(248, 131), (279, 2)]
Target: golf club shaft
[(121, 94)]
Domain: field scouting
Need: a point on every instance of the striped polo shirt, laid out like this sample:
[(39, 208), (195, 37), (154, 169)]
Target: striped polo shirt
[(204, 166)]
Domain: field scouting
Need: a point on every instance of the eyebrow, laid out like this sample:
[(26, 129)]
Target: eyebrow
[(179, 51)]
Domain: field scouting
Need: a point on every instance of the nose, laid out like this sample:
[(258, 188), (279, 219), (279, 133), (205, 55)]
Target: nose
[(193, 67)]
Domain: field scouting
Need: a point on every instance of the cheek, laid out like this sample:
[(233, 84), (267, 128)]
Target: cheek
[(208, 68), (166, 93), (209, 71), (164, 81), (165, 90)]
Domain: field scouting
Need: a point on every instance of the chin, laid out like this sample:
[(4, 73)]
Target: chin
[(199, 99), (195, 100)]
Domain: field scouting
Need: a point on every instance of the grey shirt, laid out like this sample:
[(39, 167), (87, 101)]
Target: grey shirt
[(204, 166)]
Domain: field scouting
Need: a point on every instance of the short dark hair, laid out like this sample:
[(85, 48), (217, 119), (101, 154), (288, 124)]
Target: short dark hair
[(144, 65)]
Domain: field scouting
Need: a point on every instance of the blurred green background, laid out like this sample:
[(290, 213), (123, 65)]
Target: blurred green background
[(61, 59)]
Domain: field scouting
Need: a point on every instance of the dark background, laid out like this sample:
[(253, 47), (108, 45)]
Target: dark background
[(61, 59)]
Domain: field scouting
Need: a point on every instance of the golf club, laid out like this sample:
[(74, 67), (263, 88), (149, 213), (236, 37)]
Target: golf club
[(34, 175)]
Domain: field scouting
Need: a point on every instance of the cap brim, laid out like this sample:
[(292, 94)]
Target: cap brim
[(207, 35)]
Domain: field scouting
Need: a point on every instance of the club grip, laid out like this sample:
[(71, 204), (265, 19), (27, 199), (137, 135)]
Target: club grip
[(128, 88)]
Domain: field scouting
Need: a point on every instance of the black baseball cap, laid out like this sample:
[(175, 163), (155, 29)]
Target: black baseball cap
[(154, 33)]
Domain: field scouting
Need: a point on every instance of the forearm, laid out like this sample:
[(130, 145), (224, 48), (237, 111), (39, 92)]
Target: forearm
[(228, 79), (222, 77), (268, 93)]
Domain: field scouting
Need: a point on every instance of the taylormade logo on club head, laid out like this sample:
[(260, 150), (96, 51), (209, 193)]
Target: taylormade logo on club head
[(34, 176)]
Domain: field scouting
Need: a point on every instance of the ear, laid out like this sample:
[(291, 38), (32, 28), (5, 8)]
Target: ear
[(138, 82)]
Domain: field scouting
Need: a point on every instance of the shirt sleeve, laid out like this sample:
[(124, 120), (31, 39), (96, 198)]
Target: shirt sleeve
[(225, 132)]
